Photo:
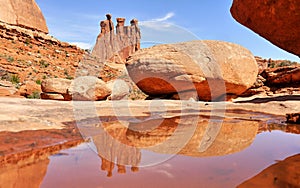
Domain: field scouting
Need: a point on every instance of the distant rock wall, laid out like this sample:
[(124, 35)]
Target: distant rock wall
[(24, 13), (117, 46)]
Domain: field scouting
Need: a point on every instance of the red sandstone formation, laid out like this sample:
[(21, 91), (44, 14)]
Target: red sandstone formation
[(204, 69), (277, 21), (120, 45), (281, 174), (23, 13)]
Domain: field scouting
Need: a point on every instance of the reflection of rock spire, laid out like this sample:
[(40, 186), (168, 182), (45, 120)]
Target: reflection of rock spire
[(113, 148)]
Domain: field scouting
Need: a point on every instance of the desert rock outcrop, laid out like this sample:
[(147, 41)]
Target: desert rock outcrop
[(117, 46), (209, 68), (277, 21), (82, 88), (23, 13)]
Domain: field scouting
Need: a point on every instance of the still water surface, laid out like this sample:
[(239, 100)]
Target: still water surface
[(243, 154)]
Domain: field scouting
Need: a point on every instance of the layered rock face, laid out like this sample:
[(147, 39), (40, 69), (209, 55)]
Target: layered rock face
[(277, 21), (24, 13), (117, 46), (207, 69)]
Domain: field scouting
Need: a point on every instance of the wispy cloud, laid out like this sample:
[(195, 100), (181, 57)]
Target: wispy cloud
[(82, 45), (165, 18), (160, 24), (163, 30)]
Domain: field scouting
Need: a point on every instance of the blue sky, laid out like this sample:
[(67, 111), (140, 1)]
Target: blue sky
[(165, 21)]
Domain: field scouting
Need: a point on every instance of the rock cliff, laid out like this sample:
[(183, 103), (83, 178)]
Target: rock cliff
[(23, 13)]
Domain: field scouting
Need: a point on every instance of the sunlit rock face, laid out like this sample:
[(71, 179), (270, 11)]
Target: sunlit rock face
[(117, 45), (24, 13), (277, 21), (208, 69), (282, 174)]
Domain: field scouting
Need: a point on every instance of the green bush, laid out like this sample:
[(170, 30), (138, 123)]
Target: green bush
[(14, 79), (43, 64), (10, 59), (39, 82), (34, 95)]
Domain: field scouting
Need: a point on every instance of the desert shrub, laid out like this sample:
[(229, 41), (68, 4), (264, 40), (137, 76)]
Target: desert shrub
[(14, 79), (34, 95), (10, 59), (44, 64), (39, 82)]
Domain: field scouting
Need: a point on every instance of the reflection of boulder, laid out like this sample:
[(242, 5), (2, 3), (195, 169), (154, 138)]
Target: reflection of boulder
[(282, 174), (214, 138), (113, 148), (27, 165), (26, 175)]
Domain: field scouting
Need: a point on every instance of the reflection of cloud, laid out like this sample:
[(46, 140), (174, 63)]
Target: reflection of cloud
[(166, 173)]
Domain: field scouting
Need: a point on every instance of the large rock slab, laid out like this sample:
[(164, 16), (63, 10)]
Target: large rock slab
[(56, 85), (24, 13), (277, 21), (209, 68)]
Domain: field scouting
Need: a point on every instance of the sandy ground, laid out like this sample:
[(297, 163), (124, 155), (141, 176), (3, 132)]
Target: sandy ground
[(18, 114)]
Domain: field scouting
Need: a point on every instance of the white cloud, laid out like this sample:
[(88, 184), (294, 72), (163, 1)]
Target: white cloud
[(162, 30), (82, 45), (158, 23), (165, 18)]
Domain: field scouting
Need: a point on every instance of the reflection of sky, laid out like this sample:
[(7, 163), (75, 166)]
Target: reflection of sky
[(80, 167)]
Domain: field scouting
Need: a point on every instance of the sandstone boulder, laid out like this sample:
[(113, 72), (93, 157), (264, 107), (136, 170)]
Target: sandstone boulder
[(209, 68), (24, 13), (29, 88), (82, 88), (88, 88), (119, 89), (52, 96), (56, 85), (277, 21), (7, 88)]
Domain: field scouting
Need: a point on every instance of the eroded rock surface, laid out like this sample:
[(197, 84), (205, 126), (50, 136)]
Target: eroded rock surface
[(277, 21), (117, 46), (209, 68), (24, 13)]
